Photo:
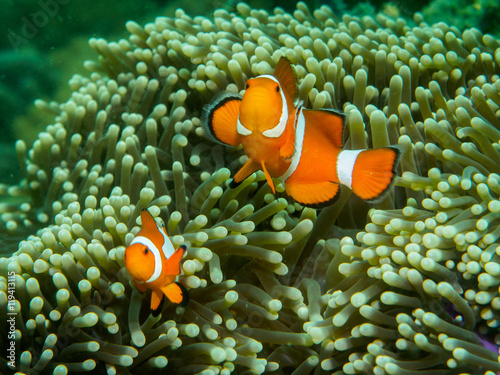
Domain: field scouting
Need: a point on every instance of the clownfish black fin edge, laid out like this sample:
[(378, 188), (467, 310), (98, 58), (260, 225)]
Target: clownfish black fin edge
[(233, 184), (323, 204), (335, 120), (314, 195), (185, 294), (157, 311), (221, 101), (384, 192)]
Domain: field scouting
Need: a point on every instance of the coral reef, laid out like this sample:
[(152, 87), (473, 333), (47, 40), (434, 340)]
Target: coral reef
[(274, 287)]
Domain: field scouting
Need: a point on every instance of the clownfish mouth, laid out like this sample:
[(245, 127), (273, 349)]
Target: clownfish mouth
[(138, 277)]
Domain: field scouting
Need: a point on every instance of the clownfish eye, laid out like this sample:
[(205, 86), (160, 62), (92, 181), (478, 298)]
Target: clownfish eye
[(146, 250), (277, 88), (246, 86)]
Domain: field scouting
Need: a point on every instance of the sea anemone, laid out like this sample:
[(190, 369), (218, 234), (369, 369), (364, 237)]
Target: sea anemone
[(273, 286)]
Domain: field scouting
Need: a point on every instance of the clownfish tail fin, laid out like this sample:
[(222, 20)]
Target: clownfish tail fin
[(233, 184), (369, 173)]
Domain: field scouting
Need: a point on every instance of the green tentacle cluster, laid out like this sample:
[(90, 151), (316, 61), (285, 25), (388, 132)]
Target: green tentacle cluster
[(274, 287)]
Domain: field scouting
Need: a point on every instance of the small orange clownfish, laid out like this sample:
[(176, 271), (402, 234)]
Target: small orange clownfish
[(299, 146), (154, 263)]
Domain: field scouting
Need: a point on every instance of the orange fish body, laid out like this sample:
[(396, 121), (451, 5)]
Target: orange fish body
[(154, 264), (299, 146)]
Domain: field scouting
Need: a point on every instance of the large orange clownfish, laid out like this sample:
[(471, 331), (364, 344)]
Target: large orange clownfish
[(154, 263), (299, 146)]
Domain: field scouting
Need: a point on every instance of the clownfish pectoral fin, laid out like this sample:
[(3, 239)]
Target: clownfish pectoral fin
[(330, 122), (285, 75), (374, 172), (157, 298), (176, 293), (248, 168), (173, 264), (220, 118), (268, 177), (141, 287), (316, 194)]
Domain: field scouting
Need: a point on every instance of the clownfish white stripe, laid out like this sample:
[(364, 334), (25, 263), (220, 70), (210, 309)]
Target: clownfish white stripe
[(300, 125), (152, 247), (240, 128), (345, 166), (168, 247), (280, 127)]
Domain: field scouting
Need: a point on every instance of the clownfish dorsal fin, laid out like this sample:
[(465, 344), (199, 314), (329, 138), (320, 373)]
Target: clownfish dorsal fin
[(148, 221), (329, 121), (268, 177), (285, 75)]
